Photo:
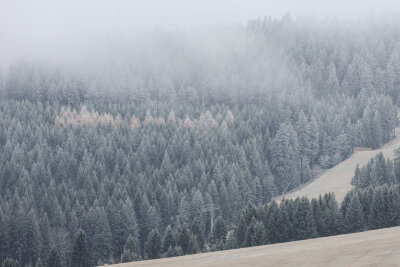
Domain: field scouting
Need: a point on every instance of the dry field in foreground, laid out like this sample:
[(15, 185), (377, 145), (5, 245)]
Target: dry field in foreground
[(371, 248), (338, 178)]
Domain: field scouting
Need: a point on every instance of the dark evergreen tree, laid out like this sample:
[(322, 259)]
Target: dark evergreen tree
[(193, 246), (379, 209), (354, 218), (219, 230), (303, 221), (255, 234), (197, 231), (80, 253), (168, 239), (184, 238), (285, 158), (271, 222), (379, 170), (54, 259), (331, 222), (284, 226), (397, 165), (240, 231), (153, 245), (357, 179), (10, 263), (99, 235), (3, 234), (39, 263), (231, 242), (131, 250), (174, 251)]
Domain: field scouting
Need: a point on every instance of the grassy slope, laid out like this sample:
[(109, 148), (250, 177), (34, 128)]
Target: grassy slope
[(338, 178), (371, 248)]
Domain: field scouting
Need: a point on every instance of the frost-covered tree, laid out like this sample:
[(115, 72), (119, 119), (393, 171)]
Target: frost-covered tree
[(285, 158)]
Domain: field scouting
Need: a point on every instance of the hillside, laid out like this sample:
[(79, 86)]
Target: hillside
[(160, 143), (338, 178), (372, 248)]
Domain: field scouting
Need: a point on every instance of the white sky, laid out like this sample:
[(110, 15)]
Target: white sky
[(29, 26)]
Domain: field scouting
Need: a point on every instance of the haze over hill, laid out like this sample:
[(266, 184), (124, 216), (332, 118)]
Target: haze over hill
[(134, 130), (59, 30)]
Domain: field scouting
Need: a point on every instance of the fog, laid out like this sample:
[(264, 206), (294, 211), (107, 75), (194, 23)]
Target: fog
[(59, 29)]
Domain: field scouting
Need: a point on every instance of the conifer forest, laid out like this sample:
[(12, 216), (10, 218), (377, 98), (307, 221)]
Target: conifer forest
[(177, 143)]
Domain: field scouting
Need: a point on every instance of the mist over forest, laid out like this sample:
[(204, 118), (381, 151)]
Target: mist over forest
[(169, 142)]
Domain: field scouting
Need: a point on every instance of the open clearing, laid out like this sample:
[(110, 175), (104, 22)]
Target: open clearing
[(338, 178), (372, 248)]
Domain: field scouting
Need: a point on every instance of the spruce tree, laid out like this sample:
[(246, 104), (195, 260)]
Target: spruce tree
[(174, 251), (3, 233), (393, 206), (332, 82), (285, 160), (396, 164), (284, 226), (231, 242), (81, 256), (302, 130), (356, 180), (316, 206), (330, 218), (354, 217), (219, 231), (259, 236), (197, 231), (250, 233), (390, 174), (303, 222), (39, 263), (193, 246), (153, 245), (168, 239), (240, 231), (184, 238), (98, 234), (10, 263), (271, 222), (54, 258), (380, 208), (131, 249), (379, 173), (314, 140)]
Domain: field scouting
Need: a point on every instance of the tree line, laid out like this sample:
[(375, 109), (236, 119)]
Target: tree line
[(291, 220), (378, 171), (362, 209)]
